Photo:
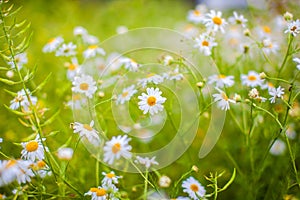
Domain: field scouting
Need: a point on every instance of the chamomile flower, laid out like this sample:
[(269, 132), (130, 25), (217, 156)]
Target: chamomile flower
[(33, 150), (65, 153), (110, 178), (152, 101), (99, 193), (252, 79), (84, 84), (151, 78), (66, 50), (291, 132), (238, 19), (87, 131), (21, 100), (25, 171), (126, 94), (80, 31), (222, 100), (268, 46), (146, 161), (90, 39), (116, 148), (196, 16), (221, 80), (205, 43), (8, 171), (278, 148), (293, 27), (297, 61), (193, 188), (73, 68), (41, 168), (92, 51), (263, 31), (20, 60), (53, 44), (214, 21), (276, 93), (130, 64)]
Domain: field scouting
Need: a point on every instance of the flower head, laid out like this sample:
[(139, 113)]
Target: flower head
[(193, 188), (297, 61), (84, 84), (19, 60), (146, 161), (92, 51), (87, 131), (276, 93), (33, 150), (126, 94), (205, 43), (222, 100), (65, 153), (278, 148), (151, 78), (214, 21), (252, 79), (238, 19), (116, 148), (110, 178), (130, 64), (66, 50), (53, 44), (152, 101), (221, 80), (293, 27), (21, 100)]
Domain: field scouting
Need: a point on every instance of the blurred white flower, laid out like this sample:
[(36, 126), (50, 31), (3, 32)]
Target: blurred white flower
[(88, 132), (193, 188), (126, 94), (150, 78), (222, 100), (276, 93), (278, 148), (92, 51), (297, 61), (66, 50), (19, 60), (221, 80), (116, 148), (238, 19), (84, 84), (21, 100), (205, 43), (121, 29), (129, 64), (268, 46), (146, 161), (65, 153), (53, 44)]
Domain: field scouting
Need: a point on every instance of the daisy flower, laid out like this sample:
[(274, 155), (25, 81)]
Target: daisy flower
[(80, 31), (73, 68), (65, 153), (263, 31), (25, 171), (268, 46), (99, 193), (90, 39), (33, 150), (87, 131), (214, 21), (146, 161), (110, 178), (205, 43), (92, 51), (130, 64), (193, 188), (293, 27), (297, 61), (76, 102), (22, 101), (66, 50), (53, 44), (151, 78), (19, 59), (222, 100), (84, 84), (41, 168), (238, 19), (221, 80), (276, 93), (196, 16), (126, 94), (8, 171), (291, 132), (152, 101), (278, 148), (116, 148), (252, 79)]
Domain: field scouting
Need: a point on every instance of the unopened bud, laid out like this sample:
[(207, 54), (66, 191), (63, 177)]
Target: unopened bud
[(288, 16), (237, 98), (10, 74), (247, 32), (195, 168), (200, 84), (262, 75), (101, 94)]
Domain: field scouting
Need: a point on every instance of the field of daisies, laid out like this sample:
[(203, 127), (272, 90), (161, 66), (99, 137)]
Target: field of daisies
[(108, 100)]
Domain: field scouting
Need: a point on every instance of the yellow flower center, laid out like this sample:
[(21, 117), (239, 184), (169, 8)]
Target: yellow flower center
[(32, 146), (116, 148), (197, 12), (151, 101), (93, 189), (224, 96), (267, 29), (124, 94), (150, 75), (194, 187), (294, 28), (217, 20), (84, 86), (270, 85), (10, 163), (51, 40), (93, 47), (76, 97), (110, 175), (72, 67), (252, 78), (87, 127), (41, 164), (101, 192), (222, 76), (205, 43)]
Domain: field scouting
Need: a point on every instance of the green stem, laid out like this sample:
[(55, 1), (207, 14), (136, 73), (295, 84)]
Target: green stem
[(286, 55), (146, 184)]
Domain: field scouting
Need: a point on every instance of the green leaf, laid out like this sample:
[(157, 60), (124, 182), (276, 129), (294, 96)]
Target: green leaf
[(53, 133), (15, 11), (51, 119), (9, 82), (23, 30), (17, 112), (26, 45), (4, 68), (10, 92), (42, 84), (18, 25), (230, 181)]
